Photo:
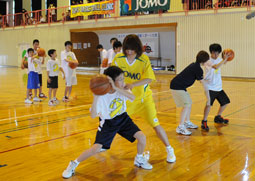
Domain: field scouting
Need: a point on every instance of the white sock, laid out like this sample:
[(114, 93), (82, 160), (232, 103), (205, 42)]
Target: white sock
[(139, 155), (54, 98), (168, 147), (76, 162)]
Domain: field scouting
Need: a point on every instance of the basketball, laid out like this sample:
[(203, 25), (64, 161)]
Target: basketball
[(25, 64), (41, 52), (230, 52), (73, 65), (100, 85), (105, 63)]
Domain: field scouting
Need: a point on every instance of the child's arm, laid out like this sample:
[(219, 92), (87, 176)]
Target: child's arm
[(22, 62), (138, 83), (224, 61), (61, 70), (48, 76), (94, 107), (126, 93)]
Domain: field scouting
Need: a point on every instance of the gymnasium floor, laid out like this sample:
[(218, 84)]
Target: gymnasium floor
[(37, 141)]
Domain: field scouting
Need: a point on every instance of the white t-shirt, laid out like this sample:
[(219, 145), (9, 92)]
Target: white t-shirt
[(65, 65), (39, 63), (110, 55), (103, 54), (53, 67), (111, 105), (32, 64), (212, 76)]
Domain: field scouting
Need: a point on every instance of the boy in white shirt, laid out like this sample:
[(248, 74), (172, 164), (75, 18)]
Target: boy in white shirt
[(110, 52), (103, 56), (213, 86), (67, 56), (33, 78), (113, 119), (53, 68)]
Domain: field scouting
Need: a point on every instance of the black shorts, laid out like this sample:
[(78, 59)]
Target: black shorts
[(221, 97), (40, 79), (122, 124), (54, 82)]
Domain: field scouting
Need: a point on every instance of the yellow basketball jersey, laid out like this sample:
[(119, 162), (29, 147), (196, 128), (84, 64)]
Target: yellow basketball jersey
[(140, 69)]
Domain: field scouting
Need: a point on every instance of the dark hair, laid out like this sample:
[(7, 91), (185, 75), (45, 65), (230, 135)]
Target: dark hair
[(132, 42), (117, 44), (99, 46), (30, 50), (202, 57), (215, 48), (113, 72), (113, 39), (68, 43), (35, 41), (51, 51)]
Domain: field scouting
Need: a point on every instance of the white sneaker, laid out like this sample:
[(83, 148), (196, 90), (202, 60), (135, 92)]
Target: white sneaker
[(102, 150), (70, 170), (181, 129), (189, 124), (36, 99), (56, 100), (51, 103), (27, 101), (142, 162), (170, 155)]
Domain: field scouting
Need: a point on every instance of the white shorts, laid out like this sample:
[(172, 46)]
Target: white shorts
[(181, 98), (70, 81)]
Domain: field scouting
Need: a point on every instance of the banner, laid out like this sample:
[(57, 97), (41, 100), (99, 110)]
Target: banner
[(132, 6), (106, 7)]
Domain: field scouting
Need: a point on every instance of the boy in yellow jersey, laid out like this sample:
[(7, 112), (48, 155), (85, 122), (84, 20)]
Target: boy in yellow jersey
[(138, 75)]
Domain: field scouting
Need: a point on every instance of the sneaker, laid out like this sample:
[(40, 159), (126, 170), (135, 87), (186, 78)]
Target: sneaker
[(142, 162), (70, 170), (170, 155), (51, 103), (36, 99), (42, 95), (220, 119), (181, 129), (56, 100), (102, 150), (189, 124), (65, 99), (204, 125), (27, 101)]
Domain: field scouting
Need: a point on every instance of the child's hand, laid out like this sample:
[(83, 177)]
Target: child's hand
[(128, 86), (49, 81), (226, 56), (111, 82)]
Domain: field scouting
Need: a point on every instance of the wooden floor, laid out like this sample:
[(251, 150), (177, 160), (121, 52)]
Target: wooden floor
[(37, 141)]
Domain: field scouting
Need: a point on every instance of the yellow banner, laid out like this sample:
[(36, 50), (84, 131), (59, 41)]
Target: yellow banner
[(106, 7)]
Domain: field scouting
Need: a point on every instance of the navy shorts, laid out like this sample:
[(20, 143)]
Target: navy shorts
[(40, 79), (33, 81), (53, 83), (122, 124), (221, 97)]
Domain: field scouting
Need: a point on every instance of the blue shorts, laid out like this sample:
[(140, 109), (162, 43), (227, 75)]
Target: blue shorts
[(33, 81), (122, 124)]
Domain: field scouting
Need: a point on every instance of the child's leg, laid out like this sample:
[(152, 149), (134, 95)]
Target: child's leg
[(221, 109), (66, 91), (141, 142), (40, 90), (54, 93), (188, 115), (28, 93), (70, 90), (206, 112), (90, 152), (50, 90), (35, 92)]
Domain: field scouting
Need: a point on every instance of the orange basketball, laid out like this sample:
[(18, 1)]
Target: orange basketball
[(72, 65), (41, 52), (230, 52), (105, 63), (25, 64), (100, 85)]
